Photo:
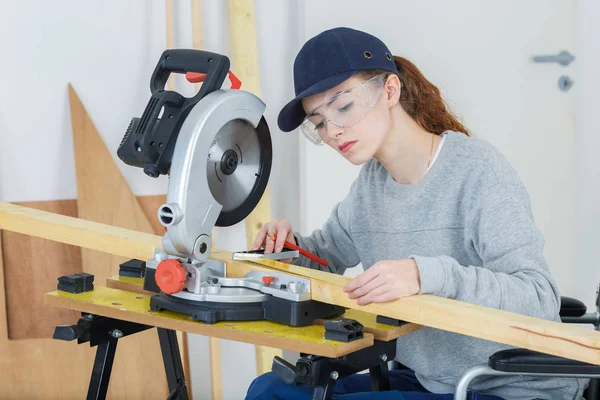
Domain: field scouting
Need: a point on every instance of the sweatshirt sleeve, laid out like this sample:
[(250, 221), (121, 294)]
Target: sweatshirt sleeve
[(332, 242), (514, 275)]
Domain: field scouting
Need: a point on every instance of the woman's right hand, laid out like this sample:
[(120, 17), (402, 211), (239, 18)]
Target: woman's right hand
[(280, 228)]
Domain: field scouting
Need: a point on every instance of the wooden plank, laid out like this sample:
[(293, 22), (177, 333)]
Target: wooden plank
[(213, 343), (31, 266), (103, 195), (244, 60), (370, 325), (197, 32), (78, 232), (451, 315), (244, 63), (170, 42), (135, 307), (564, 340), (216, 383)]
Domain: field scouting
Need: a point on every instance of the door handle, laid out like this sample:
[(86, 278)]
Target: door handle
[(563, 58)]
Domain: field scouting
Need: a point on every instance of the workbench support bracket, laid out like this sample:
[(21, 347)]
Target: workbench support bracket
[(105, 355), (173, 364), (105, 332)]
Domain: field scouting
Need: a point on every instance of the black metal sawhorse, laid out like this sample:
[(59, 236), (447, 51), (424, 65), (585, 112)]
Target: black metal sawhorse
[(104, 333), (321, 373)]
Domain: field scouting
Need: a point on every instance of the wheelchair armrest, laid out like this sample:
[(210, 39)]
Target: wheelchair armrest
[(570, 307), (528, 361)]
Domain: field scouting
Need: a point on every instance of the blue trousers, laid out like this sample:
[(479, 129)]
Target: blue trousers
[(404, 385)]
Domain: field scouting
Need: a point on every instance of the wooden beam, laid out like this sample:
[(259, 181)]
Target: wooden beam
[(549, 337), (244, 63), (78, 232), (214, 344), (197, 31), (169, 31), (216, 383)]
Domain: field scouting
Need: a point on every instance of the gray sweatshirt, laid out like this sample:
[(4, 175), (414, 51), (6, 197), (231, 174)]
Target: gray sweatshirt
[(469, 226)]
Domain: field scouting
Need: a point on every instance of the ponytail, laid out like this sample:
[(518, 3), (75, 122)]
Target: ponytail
[(421, 100)]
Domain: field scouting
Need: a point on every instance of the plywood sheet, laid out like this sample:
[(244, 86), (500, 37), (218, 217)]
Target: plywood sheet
[(103, 195), (31, 267)]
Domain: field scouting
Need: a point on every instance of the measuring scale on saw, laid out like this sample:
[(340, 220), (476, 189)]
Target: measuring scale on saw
[(216, 149)]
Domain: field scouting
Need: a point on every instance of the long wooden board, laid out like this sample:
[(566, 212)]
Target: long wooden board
[(549, 337), (135, 307)]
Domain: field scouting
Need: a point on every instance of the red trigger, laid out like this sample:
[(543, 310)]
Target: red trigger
[(197, 77)]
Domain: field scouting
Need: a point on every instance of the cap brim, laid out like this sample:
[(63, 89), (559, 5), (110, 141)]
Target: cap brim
[(292, 114)]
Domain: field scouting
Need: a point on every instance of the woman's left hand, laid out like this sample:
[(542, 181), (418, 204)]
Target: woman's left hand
[(385, 281)]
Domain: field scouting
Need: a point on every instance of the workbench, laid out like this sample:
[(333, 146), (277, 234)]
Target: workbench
[(123, 309)]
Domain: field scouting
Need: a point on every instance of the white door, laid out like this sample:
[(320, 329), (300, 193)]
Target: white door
[(479, 53)]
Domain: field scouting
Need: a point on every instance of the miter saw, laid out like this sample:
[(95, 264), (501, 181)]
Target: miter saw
[(216, 149)]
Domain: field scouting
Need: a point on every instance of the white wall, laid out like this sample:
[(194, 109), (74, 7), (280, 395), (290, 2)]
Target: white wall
[(106, 52), (587, 143)]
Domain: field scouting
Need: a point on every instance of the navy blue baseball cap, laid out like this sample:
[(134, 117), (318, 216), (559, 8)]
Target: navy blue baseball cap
[(328, 59)]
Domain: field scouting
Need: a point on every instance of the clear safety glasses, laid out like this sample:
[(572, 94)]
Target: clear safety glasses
[(342, 110)]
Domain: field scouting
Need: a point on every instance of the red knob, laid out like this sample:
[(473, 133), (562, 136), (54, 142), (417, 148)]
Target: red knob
[(170, 276), (267, 280)]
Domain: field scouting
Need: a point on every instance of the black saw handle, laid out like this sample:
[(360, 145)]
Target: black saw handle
[(149, 141), (181, 61)]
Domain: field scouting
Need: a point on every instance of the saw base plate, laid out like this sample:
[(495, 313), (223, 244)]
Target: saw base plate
[(293, 313)]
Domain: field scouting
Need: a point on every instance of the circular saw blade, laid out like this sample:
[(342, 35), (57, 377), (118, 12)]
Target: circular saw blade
[(238, 168)]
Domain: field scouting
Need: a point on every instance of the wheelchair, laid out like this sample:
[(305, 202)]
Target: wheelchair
[(531, 363)]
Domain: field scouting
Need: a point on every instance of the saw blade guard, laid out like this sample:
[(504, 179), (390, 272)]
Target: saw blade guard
[(219, 172)]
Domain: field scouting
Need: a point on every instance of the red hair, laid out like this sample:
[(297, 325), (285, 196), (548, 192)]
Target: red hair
[(422, 100)]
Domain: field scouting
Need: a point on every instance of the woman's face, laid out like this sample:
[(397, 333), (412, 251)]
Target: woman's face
[(356, 141)]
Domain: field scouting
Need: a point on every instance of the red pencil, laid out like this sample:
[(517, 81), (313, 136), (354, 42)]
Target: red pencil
[(301, 251)]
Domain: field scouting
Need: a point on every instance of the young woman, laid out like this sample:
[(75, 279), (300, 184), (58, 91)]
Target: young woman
[(433, 210)]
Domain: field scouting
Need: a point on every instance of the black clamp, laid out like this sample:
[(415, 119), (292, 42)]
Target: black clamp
[(76, 283), (133, 268), (389, 321), (343, 330)]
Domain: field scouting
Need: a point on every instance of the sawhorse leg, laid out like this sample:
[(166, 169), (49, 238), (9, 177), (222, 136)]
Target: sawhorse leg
[(173, 364), (380, 377), (324, 392), (104, 333), (105, 355)]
